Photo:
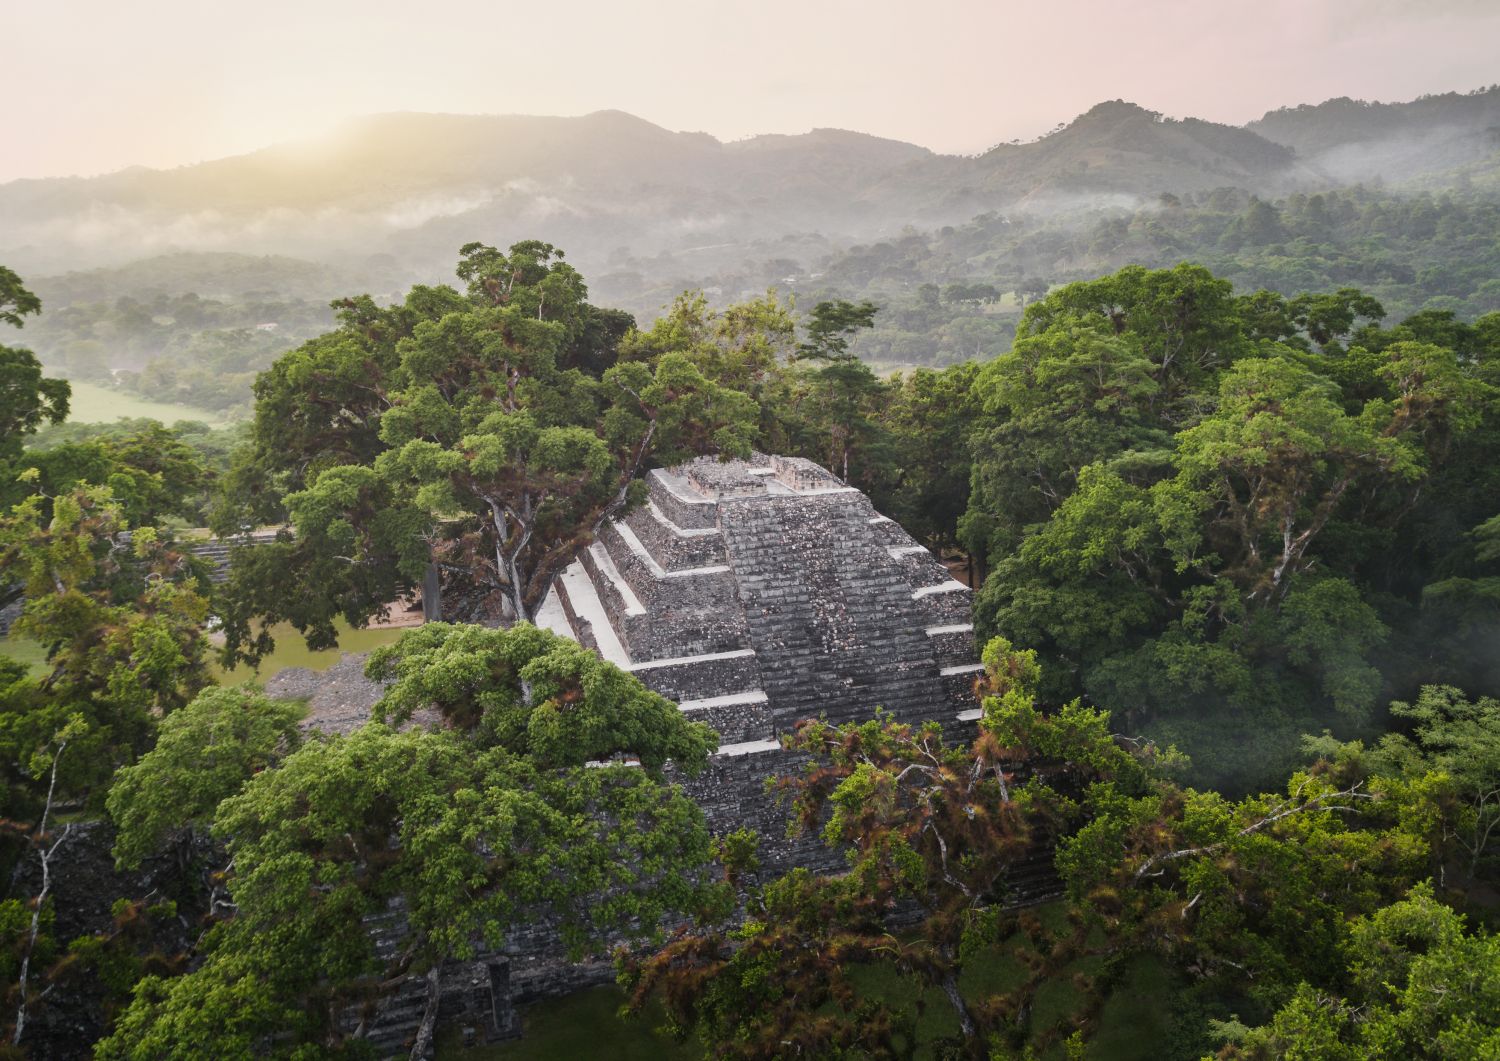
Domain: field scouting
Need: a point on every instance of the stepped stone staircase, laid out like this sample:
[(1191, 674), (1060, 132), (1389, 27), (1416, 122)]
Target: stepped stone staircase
[(474, 995), (757, 593), (760, 592), (216, 550), (754, 594)]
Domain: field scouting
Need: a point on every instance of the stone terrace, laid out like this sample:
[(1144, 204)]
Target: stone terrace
[(757, 593)]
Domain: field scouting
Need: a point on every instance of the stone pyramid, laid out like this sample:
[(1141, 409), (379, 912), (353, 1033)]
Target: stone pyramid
[(759, 592)]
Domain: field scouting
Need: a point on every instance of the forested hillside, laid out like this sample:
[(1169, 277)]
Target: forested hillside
[(417, 185), (1353, 140), (957, 293), (1398, 199), (1240, 564), (1207, 415)]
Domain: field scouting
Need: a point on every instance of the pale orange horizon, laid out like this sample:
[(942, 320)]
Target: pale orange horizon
[(100, 86)]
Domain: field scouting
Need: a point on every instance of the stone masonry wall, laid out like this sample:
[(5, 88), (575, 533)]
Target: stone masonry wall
[(676, 501), (825, 610), (685, 615), (836, 617), (672, 550), (702, 679)]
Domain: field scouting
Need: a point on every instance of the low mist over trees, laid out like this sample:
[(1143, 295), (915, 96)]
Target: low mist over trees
[(1229, 519), (1238, 565)]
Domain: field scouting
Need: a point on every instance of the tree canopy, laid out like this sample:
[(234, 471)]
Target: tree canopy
[(1185, 500), (499, 818), (27, 398), (486, 432)]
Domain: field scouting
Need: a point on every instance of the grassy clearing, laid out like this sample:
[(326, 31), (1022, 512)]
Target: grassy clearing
[(24, 650), (583, 1025), (94, 404), (1137, 1015), (292, 651)]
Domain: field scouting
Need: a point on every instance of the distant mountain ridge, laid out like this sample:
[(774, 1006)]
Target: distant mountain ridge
[(416, 186), (1311, 127), (1353, 140)]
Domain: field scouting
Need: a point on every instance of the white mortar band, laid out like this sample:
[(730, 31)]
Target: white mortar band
[(942, 587), (586, 604), (754, 747), (606, 565), (681, 532), (680, 661), (754, 696)]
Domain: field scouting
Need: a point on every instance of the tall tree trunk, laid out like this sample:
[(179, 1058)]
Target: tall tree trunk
[(422, 1045), (973, 1042), (507, 565), (41, 898)]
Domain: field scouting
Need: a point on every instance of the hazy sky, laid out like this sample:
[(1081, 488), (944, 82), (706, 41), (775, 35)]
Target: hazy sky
[(95, 85)]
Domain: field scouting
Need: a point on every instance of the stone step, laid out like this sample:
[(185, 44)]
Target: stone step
[(674, 548), (943, 603), (659, 613), (702, 676), (738, 717), (952, 643), (827, 601), (679, 503)]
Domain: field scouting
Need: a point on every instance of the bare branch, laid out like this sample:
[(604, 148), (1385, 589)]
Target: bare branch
[(1283, 810)]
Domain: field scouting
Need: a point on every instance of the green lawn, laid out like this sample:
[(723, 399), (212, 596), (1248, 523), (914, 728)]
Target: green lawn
[(95, 404), (24, 650), (292, 651), (1137, 1015), (582, 1025)]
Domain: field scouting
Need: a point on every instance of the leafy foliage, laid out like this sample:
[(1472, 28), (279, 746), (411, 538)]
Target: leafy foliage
[(467, 433), (1248, 896), (469, 830), (1184, 505), (1422, 988), (27, 399), (204, 754), (121, 620)]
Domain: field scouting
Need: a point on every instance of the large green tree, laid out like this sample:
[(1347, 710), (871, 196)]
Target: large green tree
[(1420, 986), (845, 393), (1246, 898), (27, 398), (1190, 507), (925, 484), (467, 430), (543, 796), (149, 471), (120, 618)]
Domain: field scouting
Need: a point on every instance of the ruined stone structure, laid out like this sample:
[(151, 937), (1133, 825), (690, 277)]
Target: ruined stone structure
[(757, 593), (754, 594)]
